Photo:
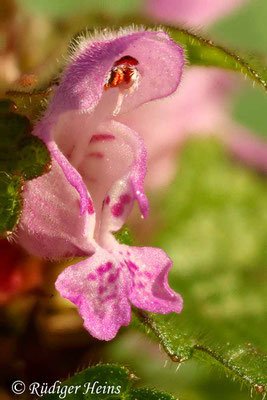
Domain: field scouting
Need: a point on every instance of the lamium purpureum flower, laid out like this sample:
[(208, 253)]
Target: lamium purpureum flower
[(98, 170)]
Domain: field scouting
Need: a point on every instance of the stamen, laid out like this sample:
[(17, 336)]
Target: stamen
[(123, 71), (125, 76), (119, 103)]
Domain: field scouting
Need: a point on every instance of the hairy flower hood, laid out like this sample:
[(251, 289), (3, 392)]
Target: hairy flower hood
[(98, 170)]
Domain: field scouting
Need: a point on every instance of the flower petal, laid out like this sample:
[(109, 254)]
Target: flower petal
[(83, 81), (111, 159), (149, 268), (50, 225), (99, 286), (122, 193)]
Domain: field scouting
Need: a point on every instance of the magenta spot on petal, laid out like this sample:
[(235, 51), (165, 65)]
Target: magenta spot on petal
[(96, 155), (101, 137), (104, 268), (132, 267), (117, 209), (148, 274), (140, 285), (107, 200), (110, 297), (102, 289), (91, 276), (125, 198), (128, 253), (90, 207), (113, 277)]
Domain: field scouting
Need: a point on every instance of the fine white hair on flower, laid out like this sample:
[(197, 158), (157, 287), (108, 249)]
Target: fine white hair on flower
[(87, 37)]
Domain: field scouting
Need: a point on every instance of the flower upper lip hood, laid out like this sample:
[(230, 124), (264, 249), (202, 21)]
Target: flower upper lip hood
[(160, 59), (98, 170)]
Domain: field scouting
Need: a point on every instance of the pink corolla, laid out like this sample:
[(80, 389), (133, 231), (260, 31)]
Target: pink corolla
[(98, 170)]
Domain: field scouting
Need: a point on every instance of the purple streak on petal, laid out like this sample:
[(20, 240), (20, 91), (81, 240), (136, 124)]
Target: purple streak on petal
[(107, 201), (96, 155), (100, 137), (91, 209)]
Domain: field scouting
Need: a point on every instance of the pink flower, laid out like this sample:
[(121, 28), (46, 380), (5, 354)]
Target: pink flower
[(190, 12), (98, 170)]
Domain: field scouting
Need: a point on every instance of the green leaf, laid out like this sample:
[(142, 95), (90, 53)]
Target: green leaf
[(106, 382), (213, 224), (33, 159), (12, 128), (22, 157), (20, 152), (148, 394), (124, 236), (32, 103), (10, 202), (204, 52)]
